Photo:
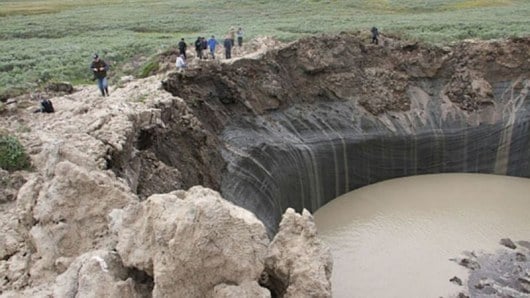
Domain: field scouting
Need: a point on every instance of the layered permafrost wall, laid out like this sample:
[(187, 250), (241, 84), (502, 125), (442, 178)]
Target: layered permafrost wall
[(303, 123), (305, 156)]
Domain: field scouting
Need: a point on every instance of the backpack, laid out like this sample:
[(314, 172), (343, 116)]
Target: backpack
[(47, 106)]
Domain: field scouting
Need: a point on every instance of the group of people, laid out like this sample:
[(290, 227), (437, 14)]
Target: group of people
[(100, 68), (202, 45)]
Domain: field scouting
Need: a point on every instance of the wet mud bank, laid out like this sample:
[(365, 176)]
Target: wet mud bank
[(301, 124), (504, 273)]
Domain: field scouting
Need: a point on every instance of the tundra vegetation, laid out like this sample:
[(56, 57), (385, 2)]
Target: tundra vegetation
[(12, 154), (44, 41)]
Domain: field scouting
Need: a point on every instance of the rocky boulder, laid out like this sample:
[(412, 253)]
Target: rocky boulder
[(72, 220), (9, 185), (193, 243), (298, 263), (96, 274)]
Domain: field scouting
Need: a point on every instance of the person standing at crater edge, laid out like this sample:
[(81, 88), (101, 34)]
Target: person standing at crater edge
[(198, 47), (228, 47), (232, 35), (375, 35), (239, 37), (181, 63), (100, 68), (204, 45), (212, 43), (182, 47)]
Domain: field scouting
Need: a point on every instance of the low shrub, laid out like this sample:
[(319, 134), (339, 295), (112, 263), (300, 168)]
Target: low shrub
[(12, 154), (149, 68)]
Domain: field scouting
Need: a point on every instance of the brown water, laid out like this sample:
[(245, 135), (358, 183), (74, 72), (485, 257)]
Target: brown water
[(395, 238)]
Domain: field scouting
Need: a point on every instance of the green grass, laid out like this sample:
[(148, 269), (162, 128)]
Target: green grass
[(149, 68), (54, 40), (12, 154)]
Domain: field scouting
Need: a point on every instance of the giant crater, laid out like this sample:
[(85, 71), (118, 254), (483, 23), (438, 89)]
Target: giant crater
[(306, 122)]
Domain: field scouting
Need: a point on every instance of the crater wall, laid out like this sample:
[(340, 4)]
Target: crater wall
[(305, 123), (305, 159)]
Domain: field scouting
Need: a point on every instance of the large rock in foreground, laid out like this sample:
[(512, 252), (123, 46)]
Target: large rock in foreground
[(191, 242), (299, 264), (96, 274)]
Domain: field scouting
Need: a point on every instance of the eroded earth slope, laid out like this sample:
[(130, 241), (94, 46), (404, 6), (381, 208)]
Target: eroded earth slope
[(112, 205)]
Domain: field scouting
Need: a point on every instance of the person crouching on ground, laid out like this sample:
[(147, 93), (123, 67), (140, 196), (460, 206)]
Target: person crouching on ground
[(181, 64), (100, 68), (46, 105)]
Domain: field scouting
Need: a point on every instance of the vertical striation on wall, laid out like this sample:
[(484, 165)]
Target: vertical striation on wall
[(307, 155), (303, 123)]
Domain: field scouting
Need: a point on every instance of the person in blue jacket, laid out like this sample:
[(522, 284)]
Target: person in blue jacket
[(212, 43)]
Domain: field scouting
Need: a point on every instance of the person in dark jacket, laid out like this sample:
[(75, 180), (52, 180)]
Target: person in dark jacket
[(375, 35), (99, 69), (198, 47), (182, 47), (228, 47), (232, 35), (204, 44)]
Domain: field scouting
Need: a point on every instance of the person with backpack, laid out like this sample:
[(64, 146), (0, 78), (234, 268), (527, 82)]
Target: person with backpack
[(99, 69), (375, 34), (182, 47)]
